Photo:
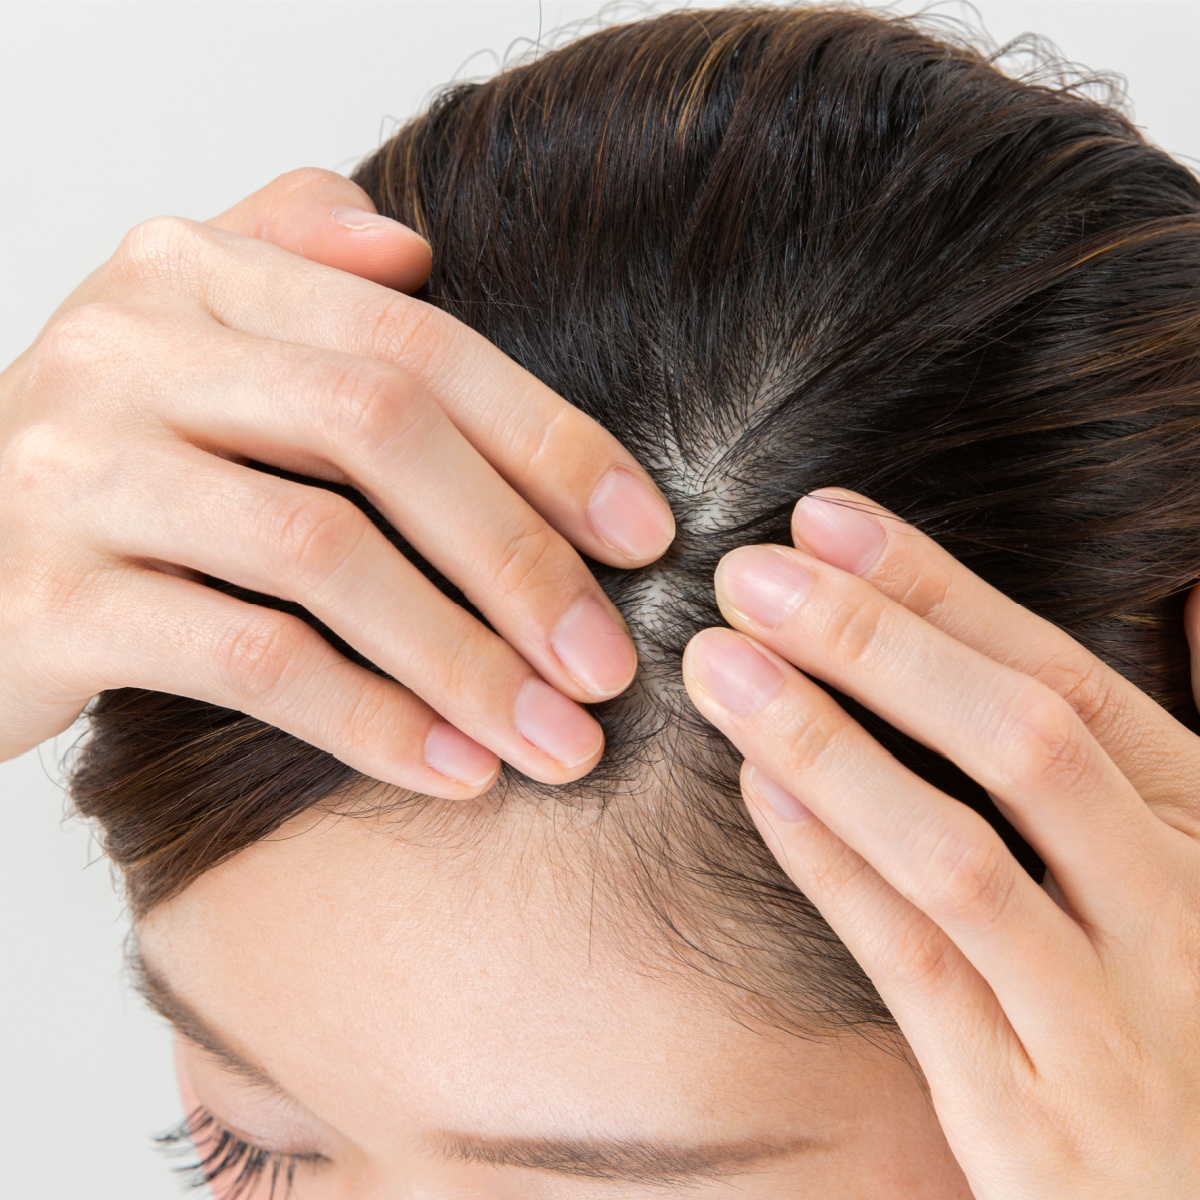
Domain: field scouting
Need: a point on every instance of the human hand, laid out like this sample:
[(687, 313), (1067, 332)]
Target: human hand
[(125, 430), (1058, 1027)]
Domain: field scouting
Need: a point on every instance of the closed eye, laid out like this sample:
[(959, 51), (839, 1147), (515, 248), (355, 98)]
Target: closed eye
[(218, 1156)]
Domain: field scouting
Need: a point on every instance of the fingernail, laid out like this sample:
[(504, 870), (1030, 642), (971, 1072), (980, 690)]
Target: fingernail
[(361, 221), (780, 801), (555, 725), (844, 535), (766, 585), (629, 516), (451, 753), (594, 648), (733, 672)]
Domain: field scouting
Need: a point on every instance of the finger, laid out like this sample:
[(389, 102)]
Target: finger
[(324, 217), (938, 854), (1156, 753), (572, 471), (274, 667), (945, 1009), (1010, 733), (32, 709), (295, 405), (311, 546)]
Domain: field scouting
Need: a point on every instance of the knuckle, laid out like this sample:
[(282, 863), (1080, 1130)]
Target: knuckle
[(49, 601), (361, 727), (1083, 682), (525, 561), (811, 739), (304, 178), (971, 884), (924, 955), (1042, 746), (375, 410), (314, 535), (408, 333), (257, 657), (837, 873), (82, 339), (853, 627), (928, 592), (50, 474), (159, 248), (560, 433), (1126, 1048), (464, 674), (31, 468)]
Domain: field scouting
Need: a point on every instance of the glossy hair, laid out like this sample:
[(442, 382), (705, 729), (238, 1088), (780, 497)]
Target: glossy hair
[(774, 250)]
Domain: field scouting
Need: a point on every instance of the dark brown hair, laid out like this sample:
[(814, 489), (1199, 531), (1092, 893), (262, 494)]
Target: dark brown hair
[(772, 250)]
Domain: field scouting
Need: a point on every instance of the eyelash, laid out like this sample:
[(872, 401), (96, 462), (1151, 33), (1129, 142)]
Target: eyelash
[(228, 1156)]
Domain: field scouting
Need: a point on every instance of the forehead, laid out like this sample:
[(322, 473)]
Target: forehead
[(407, 975)]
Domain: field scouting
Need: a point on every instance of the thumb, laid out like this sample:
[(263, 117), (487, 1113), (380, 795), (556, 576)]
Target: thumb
[(324, 217)]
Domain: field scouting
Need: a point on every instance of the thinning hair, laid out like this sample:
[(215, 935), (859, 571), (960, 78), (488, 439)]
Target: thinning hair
[(773, 250)]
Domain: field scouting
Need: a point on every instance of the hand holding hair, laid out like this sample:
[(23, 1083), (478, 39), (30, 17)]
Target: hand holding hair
[(768, 248), (127, 434), (1057, 1026)]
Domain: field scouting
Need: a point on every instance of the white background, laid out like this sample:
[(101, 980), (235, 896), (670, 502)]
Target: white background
[(110, 113)]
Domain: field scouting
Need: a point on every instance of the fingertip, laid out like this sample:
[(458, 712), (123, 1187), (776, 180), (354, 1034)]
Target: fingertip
[(329, 219), (373, 224), (560, 776), (776, 799), (632, 517), (757, 809), (556, 774), (559, 730), (593, 645), (839, 528), (376, 247), (688, 662), (469, 767)]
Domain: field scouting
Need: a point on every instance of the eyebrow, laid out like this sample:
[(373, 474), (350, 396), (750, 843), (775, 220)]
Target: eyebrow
[(162, 998), (625, 1160), (620, 1159)]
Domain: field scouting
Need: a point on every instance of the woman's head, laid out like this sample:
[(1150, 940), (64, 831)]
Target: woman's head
[(772, 250)]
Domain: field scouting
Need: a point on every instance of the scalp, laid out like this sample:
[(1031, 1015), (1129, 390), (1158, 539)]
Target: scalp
[(773, 250)]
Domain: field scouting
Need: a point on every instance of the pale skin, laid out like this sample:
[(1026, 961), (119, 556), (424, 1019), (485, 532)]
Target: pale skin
[(124, 433), (351, 995), (405, 997), (1058, 1026), (414, 991)]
